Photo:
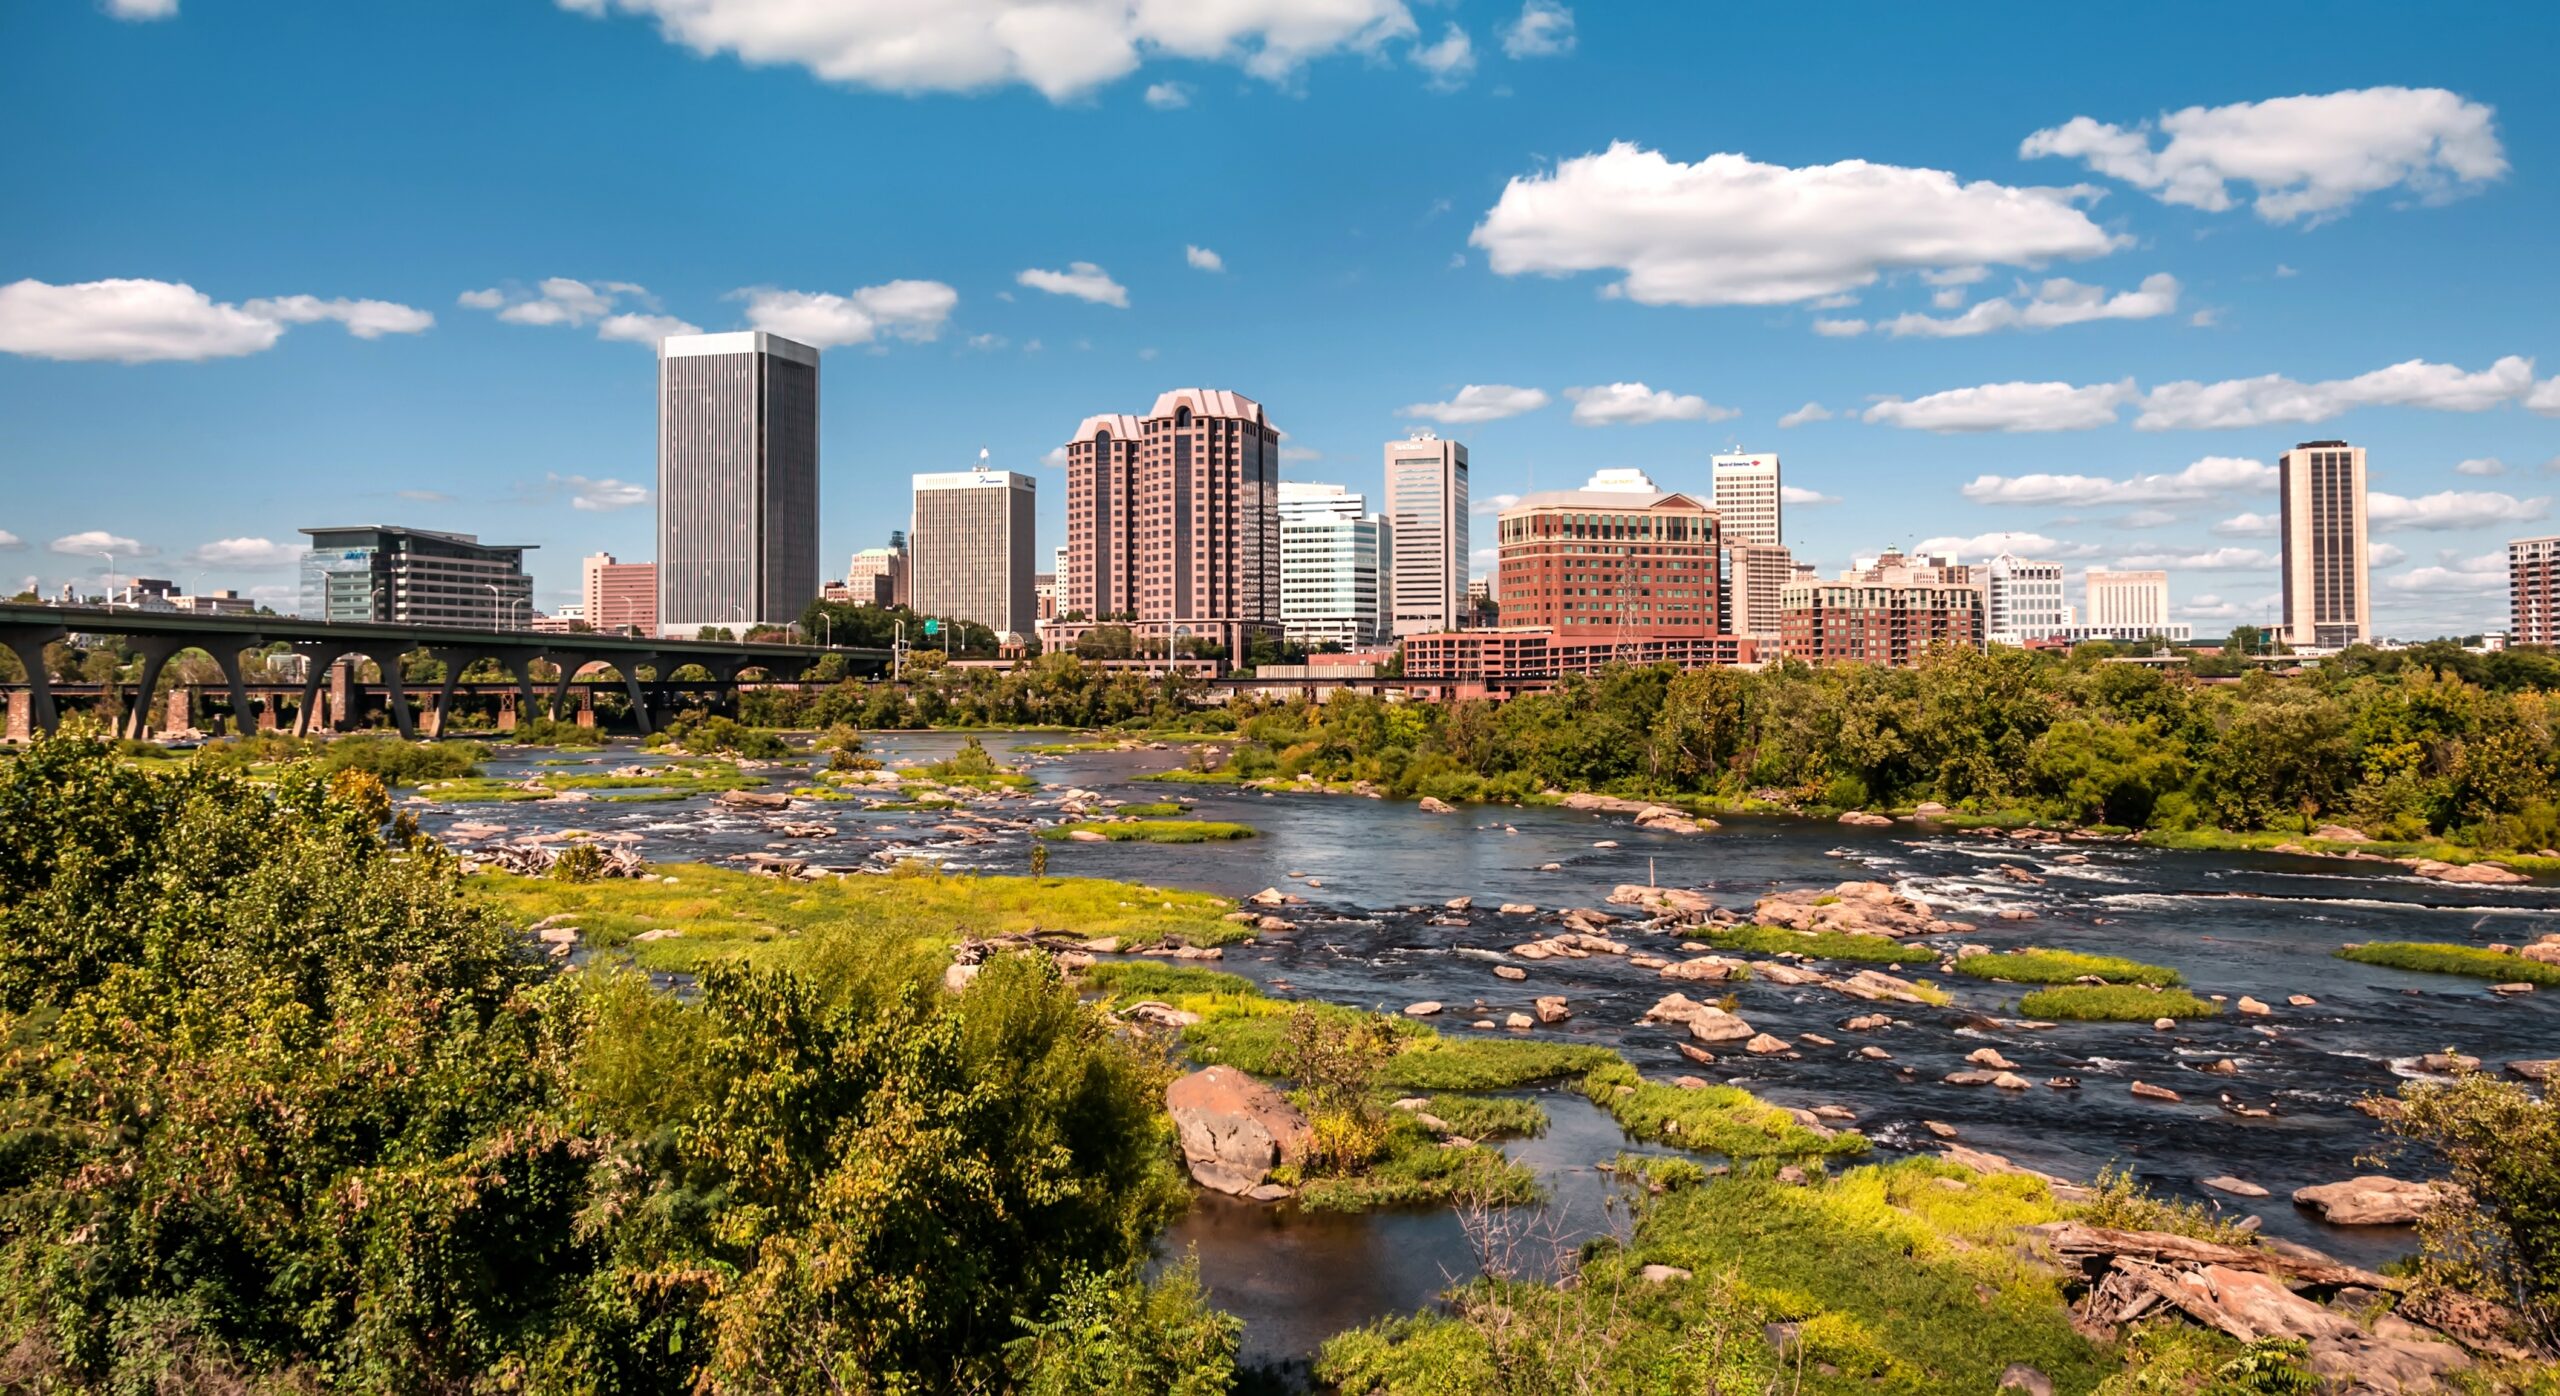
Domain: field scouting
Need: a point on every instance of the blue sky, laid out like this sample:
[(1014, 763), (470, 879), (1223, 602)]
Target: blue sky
[(279, 263)]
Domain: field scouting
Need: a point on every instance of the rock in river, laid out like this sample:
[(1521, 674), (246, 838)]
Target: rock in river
[(2465, 872), (1234, 1129), (2373, 1200), (1432, 806)]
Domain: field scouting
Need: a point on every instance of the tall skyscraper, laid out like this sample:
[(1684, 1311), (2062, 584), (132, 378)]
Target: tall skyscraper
[(1173, 522), (2134, 603), (621, 598), (2327, 604), (1427, 521), (2025, 599), (973, 548), (1756, 577), (737, 480), (1748, 498), (2533, 591), (1332, 558)]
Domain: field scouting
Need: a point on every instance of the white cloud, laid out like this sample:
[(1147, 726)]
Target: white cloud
[(568, 301), (10, 542), (1062, 48), (1168, 96), (1840, 328), (1449, 62), (1543, 30), (2386, 554), (1202, 259), (2545, 397), (1492, 503), (2273, 398), (423, 496), (143, 9), (2249, 525), (1630, 404), (2449, 509), (2210, 560), (1810, 412), (1985, 545), (138, 321), (98, 540), (2486, 465), (245, 554), (1082, 280), (1300, 455), (2205, 478), (988, 342), (1729, 230), (2057, 301), (1480, 402), (910, 310), (2007, 407), (2485, 574), (600, 496), (2148, 518), (1056, 459), (1805, 498), (2303, 155), (635, 328)]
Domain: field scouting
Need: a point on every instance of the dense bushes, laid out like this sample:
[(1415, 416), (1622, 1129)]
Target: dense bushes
[(285, 1110), (2402, 749)]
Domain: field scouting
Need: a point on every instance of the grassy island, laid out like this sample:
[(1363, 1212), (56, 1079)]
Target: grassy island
[(2114, 1003), (2037, 966), (1152, 830), (2505, 967), (1819, 945)]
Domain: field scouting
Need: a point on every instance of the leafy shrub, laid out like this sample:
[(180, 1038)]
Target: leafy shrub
[(1123, 1336), (401, 763), (704, 736), (579, 862), (547, 731), (2502, 1147)]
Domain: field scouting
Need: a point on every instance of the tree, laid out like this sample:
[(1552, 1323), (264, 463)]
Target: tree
[(2499, 1239)]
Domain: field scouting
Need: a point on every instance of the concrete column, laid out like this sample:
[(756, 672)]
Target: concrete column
[(155, 650), (22, 716), (346, 697), (507, 707), (243, 718), (323, 659), (181, 714), (454, 661), (570, 663), (587, 705), (630, 670), (387, 658), (28, 642)]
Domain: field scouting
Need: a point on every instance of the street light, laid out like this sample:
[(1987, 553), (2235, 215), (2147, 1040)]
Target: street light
[(494, 622), (111, 579)]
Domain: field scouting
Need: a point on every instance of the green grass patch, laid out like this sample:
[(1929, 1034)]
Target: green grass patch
[(1064, 748), (1425, 1060), (2433, 958), (1184, 775), (479, 790), (2114, 1003), (1723, 1120), (1488, 1116), (724, 913), (1821, 945), (1161, 809), (1417, 1170), (1153, 831), (2266, 840), (1899, 1278), (2039, 966)]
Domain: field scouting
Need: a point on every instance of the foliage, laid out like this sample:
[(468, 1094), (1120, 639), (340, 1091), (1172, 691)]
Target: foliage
[(1125, 1336), (2042, 966), (1160, 809), (551, 732), (288, 1109), (843, 744), (2117, 1199), (2114, 1003), (705, 735), (2504, 967), (399, 762), (579, 862), (2502, 1148), (1152, 830), (1334, 1060)]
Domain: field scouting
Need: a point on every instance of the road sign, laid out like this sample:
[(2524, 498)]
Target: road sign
[(933, 627)]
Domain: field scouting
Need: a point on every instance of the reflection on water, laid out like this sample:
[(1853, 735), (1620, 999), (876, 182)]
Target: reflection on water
[(2256, 924)]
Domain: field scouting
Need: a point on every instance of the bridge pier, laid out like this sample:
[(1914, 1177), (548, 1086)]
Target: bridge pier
[(22, 717), (28, 642), (386, 657)]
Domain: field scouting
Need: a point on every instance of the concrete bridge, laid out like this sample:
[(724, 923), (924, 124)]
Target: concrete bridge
[(159, 636)]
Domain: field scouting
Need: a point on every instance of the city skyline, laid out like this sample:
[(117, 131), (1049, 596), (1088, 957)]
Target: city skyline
[(456, 339)]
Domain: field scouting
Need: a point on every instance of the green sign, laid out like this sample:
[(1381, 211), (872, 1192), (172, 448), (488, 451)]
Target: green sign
[(933, 627)]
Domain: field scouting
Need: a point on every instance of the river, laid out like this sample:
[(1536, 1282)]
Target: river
[(1376, 872)]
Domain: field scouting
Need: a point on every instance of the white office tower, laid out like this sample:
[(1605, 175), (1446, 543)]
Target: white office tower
[(1332, 567), (2327, 604), (2130, 604), (1748, 499), (1755, 578), (1427, 533), (2026, 600)]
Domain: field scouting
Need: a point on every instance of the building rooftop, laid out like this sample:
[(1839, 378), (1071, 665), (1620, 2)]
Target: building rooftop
[(1208, 402), (468, 540), (1601, 499)]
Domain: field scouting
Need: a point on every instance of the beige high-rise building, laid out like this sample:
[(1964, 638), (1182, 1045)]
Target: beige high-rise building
[(1173, 523), (1756, 577), (972, 548), (621, 597), (2328, 603), (1748, 498), (1427, 523), (2533, 591), (2136, 603)]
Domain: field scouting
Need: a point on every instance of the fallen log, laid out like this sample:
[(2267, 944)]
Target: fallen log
[(2081, 1242)]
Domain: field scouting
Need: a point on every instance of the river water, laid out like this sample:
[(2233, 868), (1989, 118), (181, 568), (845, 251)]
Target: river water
[(1375, 873)]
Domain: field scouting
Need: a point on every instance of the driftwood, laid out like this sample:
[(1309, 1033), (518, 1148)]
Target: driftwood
[(2095, 1246)]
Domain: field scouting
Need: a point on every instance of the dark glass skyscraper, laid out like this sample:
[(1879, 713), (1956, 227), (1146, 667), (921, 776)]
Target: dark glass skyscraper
[(737, 480)]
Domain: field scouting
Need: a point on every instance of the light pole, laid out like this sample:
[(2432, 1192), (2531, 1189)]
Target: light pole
[(524, 601), (494, 622), (110, 579), (898, 654)]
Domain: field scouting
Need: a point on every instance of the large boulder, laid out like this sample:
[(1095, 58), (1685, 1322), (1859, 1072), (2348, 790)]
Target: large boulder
[(751, 799), (1435, 806), (1661, 901), (2373, 1200), (2465, 872), (1234, 1130), (1705, 1021), (1858, 908)]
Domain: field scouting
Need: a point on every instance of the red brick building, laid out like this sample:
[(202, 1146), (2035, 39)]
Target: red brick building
[(621, 597), (1173, 522), (1490, 663), (1891, 613), (1590, 563)]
